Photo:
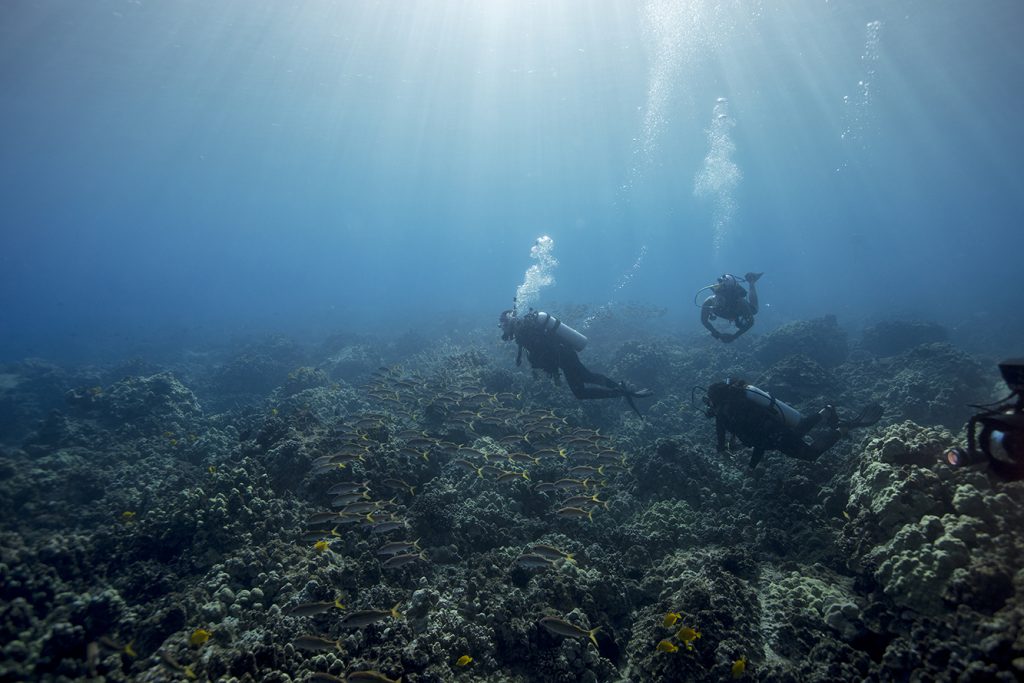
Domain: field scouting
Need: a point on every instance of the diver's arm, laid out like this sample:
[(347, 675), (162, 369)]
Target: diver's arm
[(705, 316), (519, 356)]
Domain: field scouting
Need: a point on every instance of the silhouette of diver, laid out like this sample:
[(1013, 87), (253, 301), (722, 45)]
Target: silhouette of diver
[(764, 423), (729, 301), (553, 346)]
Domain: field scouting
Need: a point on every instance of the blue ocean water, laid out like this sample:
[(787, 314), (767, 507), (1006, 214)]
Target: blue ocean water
[(178, 172)]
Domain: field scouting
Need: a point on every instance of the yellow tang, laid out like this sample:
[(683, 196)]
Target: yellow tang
[(199, 637), (464, 660), (667, 646), (739, 667), (687, 635), (670, 619)]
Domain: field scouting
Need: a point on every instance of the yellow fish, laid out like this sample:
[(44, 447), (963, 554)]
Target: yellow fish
[(199, 637), (321, 546), (667, 646), (464, 660), (128, 516), (687, 635), (739, 667), (670, 619), (115, 646), (212, 469)]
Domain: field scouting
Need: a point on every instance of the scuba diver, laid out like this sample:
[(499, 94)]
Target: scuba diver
[(730, 301), (764, 423), (552, 345)]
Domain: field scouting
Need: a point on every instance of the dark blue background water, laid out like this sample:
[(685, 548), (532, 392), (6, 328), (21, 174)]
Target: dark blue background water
[(175, 172)]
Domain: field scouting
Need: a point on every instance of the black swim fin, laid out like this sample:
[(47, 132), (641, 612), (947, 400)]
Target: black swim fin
[(629, 399), (755, 457), (868, 416)]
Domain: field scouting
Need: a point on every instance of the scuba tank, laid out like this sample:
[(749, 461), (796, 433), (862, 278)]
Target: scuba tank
[(552, 325), (789, 415), (725, 285)]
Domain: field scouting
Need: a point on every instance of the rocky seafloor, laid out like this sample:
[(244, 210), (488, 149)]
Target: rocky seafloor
[(196, 520)]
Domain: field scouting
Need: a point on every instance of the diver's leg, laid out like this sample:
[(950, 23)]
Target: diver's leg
[(577, 375), (823, 442), (597, 378), (828, 413), (796, 447)]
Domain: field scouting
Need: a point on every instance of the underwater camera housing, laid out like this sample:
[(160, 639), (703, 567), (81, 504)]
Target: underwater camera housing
[(996, 435)]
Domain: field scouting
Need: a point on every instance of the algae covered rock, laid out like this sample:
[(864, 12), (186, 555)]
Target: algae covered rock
[(149, 405), (352, 362), (893, 485), (802, 606), (304, 378), (916, 565), (925, 532), (822, 340), (30, 389), (257, 369), (796, 378), (892, 337), (934, 383), (909, 444), (647, 364)]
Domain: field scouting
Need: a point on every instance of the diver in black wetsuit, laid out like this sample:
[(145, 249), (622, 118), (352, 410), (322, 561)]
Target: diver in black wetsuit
[(764, 423), (729, 301), (552, 346)]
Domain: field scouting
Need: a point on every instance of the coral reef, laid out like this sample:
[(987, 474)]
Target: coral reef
[(290, 511)]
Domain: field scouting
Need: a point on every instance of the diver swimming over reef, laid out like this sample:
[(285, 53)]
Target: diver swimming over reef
[(551, 345), (764, 423), (729, 301)]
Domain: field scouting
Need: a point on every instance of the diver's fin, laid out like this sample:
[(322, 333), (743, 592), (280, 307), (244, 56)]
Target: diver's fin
[(755, 457), (629, 399), (869, 416), (752, 277)]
